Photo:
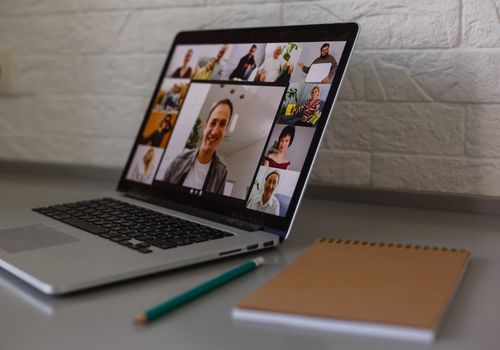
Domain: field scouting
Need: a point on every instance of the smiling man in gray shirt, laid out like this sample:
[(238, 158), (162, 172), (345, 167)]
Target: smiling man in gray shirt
[(202, 168)]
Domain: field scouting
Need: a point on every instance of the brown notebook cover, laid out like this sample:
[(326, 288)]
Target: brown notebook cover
[(379, 289)]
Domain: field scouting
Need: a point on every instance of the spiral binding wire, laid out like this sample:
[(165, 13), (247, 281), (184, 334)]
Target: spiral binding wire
[(390, 245)]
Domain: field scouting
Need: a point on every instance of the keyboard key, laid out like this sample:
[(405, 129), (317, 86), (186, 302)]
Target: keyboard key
[(83, 225), (60, 208), (144, 250), (120, 238), (110, 235), (61, 216), (142, 237), (180, 241), (134, 234), (199, 239), (143, 245), (124, 230), (161, 244)]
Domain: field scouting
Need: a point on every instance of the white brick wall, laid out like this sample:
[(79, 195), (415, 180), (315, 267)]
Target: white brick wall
[(419, 109)]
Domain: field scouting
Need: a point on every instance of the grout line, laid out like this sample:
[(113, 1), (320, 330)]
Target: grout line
[(419, 155), (158, 54), (461, 26), (371, 169), (359, 102), (466, 118), (129, 9)]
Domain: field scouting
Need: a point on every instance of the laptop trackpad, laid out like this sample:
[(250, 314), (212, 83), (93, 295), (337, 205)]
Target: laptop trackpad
[(19, 239)]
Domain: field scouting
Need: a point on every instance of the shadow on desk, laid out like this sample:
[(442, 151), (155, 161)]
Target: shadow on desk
[(52, 305)]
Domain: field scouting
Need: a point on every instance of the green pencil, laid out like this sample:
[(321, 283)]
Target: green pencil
[(181, 299)]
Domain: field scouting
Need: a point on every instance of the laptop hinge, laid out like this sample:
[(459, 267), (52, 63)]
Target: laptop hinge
[(221, 219)]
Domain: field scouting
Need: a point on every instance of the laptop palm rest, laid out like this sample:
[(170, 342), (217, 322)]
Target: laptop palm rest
[(23, 238)]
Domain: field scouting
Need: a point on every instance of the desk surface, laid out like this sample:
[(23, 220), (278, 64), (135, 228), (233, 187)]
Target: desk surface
[(102, 318)]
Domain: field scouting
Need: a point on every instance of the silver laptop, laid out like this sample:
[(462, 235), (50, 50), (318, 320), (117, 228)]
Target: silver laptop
[(218, 167)]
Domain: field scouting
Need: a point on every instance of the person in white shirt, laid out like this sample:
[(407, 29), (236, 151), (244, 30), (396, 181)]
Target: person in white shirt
[(273, 67), (266, 201), (143, 172), (196, 176)]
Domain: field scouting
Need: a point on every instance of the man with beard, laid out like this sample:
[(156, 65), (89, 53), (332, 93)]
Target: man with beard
[(156, 137), (202, 168), (324, 57)]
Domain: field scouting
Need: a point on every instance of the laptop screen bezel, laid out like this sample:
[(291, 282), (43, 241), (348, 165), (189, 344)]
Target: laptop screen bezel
[(223, 209)]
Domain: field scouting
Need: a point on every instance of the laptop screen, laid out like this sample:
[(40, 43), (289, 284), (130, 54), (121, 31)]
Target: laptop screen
[(236, 125)]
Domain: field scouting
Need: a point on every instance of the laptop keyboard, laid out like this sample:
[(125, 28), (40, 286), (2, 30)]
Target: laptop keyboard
[(131, 226)]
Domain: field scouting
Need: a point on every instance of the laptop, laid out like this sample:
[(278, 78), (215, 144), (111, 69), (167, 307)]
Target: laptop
[(217, 169)]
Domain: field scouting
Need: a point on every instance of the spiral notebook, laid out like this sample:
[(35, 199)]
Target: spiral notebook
[(367, 288)]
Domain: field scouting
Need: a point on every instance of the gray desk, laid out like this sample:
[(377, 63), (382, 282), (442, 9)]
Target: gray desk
[(102, 318)]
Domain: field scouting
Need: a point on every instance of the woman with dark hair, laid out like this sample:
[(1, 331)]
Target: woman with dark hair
[(276, 158)]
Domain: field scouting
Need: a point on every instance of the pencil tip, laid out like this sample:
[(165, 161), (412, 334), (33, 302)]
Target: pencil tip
[(258, 261), (141, 320)]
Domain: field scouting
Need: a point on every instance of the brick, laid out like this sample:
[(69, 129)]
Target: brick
[(71, 130), (343, 127), (96, 116), (114, 75), (399, 127), (160, 26), (385, 81), (68, 149), (353, 82), (138, 4), (342, 168), (28, 7), (102, 75), (117, 32), (265, 14), (481, 22), (35, 75), (455, 75), (386, 24), (154, 64), (23, 7), (237, 2), (14, 108), (482, 177), (483, 131), (452, 175), (418, 173)]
